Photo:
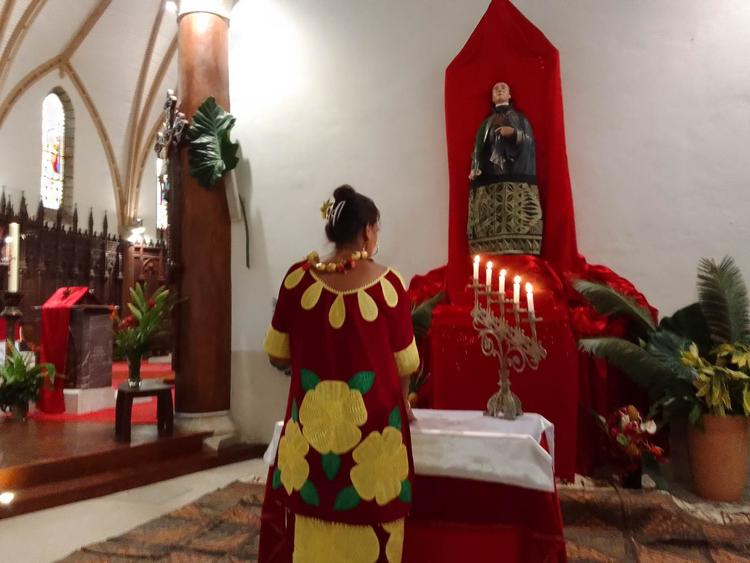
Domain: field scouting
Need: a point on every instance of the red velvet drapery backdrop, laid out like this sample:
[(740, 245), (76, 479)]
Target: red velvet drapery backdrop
[(506, 46)]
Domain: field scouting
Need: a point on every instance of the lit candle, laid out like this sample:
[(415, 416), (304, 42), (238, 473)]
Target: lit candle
[(516, 291), (476, 269), (15, 237), (503, 273), (530, 299), (488, 277)]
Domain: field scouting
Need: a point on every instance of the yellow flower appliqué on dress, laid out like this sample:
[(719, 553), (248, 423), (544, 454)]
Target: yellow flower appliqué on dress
[(316, 541), (331, 415), (292, 463), (382, 465)]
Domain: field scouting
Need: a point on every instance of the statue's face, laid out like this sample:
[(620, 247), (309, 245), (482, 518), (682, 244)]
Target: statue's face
[(500, 93)]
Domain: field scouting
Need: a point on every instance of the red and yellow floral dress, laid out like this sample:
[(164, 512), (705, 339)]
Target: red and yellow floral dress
[(344, 467)]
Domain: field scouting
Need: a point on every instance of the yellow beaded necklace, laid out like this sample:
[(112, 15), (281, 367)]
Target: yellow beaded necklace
[(342, 266)]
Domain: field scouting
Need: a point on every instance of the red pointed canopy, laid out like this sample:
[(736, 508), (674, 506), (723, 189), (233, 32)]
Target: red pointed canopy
[(505, 46)]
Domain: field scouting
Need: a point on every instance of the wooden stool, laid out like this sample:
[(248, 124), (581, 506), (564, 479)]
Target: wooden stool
[(148, 388)]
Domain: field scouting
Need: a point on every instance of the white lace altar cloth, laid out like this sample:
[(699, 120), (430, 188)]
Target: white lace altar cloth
[(469, 445)]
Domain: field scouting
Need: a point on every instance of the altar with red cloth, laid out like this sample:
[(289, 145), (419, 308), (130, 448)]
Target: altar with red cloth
[(464, 378), (484, 491), (505, 46), (54, 343)]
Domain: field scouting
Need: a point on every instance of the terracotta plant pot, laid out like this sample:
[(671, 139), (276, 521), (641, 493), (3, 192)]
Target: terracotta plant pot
[(718, 457)]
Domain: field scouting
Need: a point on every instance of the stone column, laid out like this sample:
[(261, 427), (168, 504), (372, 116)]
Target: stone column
[(203, 344)]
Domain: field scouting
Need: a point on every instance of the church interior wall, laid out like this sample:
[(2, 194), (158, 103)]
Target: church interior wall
[(657, 104)]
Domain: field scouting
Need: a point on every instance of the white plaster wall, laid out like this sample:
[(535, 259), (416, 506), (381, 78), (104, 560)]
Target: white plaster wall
[(21, 153), (657, 99)]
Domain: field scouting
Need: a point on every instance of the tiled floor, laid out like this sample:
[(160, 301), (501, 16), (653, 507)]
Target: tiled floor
[(47, 535)]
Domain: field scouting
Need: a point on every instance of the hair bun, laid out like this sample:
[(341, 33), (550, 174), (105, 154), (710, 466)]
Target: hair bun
[(344, 193)]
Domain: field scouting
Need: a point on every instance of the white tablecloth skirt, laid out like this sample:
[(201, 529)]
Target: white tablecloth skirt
[(469, 445)]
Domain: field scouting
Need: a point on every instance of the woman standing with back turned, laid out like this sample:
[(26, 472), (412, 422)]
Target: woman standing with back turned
[(341, 484)]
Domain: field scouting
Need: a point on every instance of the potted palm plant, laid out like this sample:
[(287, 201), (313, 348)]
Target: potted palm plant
[(694, 365), (718, 442), (134, 333), (20, 383)]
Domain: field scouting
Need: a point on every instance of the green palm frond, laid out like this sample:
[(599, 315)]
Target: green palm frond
[(667, 348), (421, 316), (607, 301), (690, 324), (724, 301), (641, 366)]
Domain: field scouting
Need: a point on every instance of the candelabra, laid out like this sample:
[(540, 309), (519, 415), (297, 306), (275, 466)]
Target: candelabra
[(514, 349)]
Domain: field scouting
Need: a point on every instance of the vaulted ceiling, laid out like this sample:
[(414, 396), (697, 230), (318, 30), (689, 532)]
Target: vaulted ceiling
[(119, 54)]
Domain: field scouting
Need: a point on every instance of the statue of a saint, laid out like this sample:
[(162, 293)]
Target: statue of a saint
[(505, 215)]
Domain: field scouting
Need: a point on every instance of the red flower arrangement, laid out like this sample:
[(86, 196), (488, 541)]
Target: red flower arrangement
[(630, 435), (134, 333)]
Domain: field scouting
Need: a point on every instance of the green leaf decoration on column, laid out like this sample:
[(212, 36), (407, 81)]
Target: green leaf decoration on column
[(309, 493), (362, 381), (394, 419), (405, 495), (276, 478), (309, 379), (331, 463), (347, 499), (295, 411), (211, 153)]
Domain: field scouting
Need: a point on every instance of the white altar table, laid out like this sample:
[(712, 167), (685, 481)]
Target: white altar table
[(469, 445)]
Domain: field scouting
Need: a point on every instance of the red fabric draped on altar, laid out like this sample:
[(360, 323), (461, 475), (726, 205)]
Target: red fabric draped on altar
[(452, 520), (505, 46), (54, 343)]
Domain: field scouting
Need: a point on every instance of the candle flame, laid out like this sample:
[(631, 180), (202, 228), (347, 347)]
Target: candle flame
[(529, 288), (489, 265), (476, 259), (517, 279), (503, 272)]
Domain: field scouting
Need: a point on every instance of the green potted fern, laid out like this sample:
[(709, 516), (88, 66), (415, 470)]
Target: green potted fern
[(20, 383), (694, 366)]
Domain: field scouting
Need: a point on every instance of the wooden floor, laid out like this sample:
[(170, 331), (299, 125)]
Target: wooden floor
[(46, 464), (33, 441)]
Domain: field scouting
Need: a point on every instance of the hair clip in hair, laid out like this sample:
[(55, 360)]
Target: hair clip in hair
[(336, 212), (325, 209)]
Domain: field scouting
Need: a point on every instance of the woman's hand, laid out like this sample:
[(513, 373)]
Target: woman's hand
[(409, 412), (505, 131)]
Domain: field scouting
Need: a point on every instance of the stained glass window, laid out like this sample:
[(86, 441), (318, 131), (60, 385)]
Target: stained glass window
[(162, 193), (53, 151)]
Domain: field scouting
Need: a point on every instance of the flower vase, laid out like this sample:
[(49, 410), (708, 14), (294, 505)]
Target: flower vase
[(20, 411), (632, 478), (134, 371)]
